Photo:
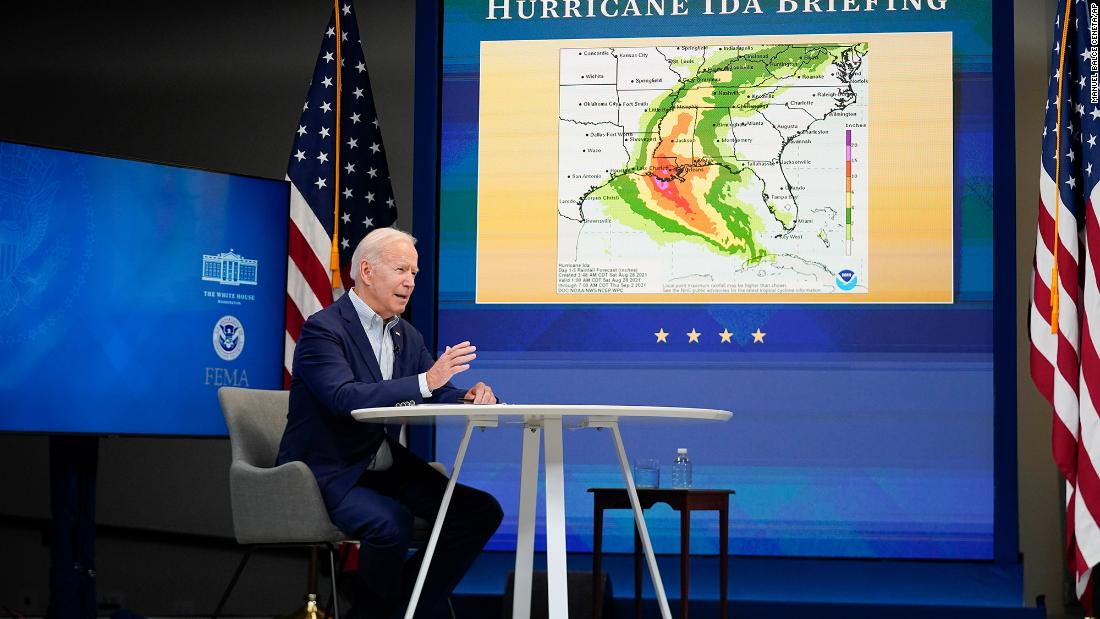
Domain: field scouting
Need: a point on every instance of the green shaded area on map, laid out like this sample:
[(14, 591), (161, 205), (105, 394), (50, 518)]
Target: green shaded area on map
[(696, 181)]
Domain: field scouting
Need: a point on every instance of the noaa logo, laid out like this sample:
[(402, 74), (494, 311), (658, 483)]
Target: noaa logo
[(228, 338), (846, 279)]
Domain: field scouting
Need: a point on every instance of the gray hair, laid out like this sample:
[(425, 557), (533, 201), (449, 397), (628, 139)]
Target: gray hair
[(370, 248)]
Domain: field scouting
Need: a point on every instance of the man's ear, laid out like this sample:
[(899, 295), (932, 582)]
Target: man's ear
[(364, 271)]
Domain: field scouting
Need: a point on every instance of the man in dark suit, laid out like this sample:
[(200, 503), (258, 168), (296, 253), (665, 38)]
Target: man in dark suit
[(358, 353)]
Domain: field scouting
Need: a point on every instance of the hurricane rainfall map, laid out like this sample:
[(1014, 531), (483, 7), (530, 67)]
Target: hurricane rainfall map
[(713, 169)]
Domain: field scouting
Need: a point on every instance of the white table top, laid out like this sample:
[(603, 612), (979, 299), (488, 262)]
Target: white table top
[(426, 413)]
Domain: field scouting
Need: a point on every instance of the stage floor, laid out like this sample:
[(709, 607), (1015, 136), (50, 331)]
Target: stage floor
[(775, 588)]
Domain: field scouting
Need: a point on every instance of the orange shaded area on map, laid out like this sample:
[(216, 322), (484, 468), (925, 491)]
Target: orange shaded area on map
[(676, 182)]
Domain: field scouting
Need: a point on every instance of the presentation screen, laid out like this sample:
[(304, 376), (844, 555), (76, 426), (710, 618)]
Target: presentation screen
[(129, 292), (783, 209)]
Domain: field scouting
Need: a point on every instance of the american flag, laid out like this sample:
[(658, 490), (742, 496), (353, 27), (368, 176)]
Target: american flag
[(363, 178), (1064, 361)]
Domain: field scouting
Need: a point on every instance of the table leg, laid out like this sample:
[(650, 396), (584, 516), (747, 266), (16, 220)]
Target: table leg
[(438, 526), (637, 574), (556, 583), (525, 536), (639, 521), (724, 559), (685, 558), (597, 559)]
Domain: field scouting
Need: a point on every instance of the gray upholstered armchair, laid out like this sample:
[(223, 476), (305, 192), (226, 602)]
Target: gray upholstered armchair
[(272, 505)]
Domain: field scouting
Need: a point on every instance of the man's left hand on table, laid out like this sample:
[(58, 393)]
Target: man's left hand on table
[(480, 394)]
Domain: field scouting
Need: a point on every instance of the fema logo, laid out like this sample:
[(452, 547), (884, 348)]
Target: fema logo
[(228, 338), (846, 279)]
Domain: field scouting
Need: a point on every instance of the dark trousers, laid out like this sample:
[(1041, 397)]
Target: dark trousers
[(379, 511)]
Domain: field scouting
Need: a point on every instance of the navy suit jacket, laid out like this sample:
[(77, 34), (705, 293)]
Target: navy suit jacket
[(335, 371)]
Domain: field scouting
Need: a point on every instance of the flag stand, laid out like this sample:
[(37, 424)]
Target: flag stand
[(310, 610)]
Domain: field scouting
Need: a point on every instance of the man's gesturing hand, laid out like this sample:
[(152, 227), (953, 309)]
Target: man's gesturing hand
[(455, 359)]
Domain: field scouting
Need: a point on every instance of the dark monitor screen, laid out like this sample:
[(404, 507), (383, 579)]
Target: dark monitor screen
[(130, 291)]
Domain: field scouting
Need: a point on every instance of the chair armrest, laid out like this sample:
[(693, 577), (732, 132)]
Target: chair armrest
[(278, 505)]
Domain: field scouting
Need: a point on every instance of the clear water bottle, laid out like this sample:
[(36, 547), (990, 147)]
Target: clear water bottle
[(681, 469)]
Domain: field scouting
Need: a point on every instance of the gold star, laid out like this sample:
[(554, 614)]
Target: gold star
[(693, 336), (758, 336), (725, 335), (662, 337)]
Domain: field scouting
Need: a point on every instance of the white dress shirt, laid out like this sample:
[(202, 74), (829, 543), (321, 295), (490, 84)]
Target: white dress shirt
[(379, 333)]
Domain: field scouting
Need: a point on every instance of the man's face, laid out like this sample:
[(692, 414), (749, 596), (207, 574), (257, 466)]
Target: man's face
[(387, 286)]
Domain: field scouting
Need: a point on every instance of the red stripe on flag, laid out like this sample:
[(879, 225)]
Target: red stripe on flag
[(294, 320), (1068, 282), (1073, 552), (315, 273), (1064, 448), (1068, 274), (1092, 237), (1040, 296), (1089, 361), (1086, 597), (1088, 484), (1042, 372), (1066, 357), (1069, 366)]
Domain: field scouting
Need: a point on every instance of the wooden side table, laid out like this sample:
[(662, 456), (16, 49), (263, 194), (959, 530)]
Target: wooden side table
[(683, 500)]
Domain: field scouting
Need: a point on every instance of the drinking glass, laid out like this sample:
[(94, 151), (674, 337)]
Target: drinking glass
[(647, 473)]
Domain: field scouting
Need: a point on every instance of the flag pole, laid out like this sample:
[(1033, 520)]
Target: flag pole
[(1057, 168), (334, 255)]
